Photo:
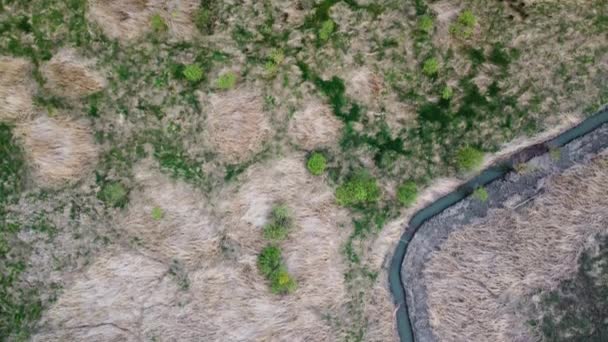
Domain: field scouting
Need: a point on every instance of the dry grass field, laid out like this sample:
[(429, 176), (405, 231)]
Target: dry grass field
[(483, 277), (241, 170)]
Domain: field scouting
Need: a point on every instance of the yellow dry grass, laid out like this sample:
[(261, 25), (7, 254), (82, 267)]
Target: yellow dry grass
[(237, 126), (71, 76), (59, 151), (131, 294), (484, 271), (315, 126), (16, 90), (128, 20)]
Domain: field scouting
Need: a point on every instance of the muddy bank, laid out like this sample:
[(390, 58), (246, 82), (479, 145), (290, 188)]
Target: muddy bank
[(511, 191)]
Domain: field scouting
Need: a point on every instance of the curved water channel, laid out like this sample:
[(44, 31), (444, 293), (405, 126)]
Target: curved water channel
[(492, 173)]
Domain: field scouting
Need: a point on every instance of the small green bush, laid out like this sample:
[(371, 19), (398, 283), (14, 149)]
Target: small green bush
[(447, 93), (316, 164), (469, 159), (203, 20), (327, 28), (158, 23), (464, 25), (407, 193), (282, 282), (280, 224), (226, 81), (270, 264), (431, 66), (269, 260), (359, 189), (157, 214), (193, 73), (425, 24), (114, 194), (481, 194)]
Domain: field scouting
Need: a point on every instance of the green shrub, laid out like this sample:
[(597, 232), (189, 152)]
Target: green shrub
[(269, 261), (113, 194), (270, 264), (407, 193), (204, 20), (469, 159), (481, 194), (425, 24), (464, 25), (316, 164), (157, 214), (447, 93), (226, 81), (282, 282), (193, 73), (158, 23), (359, 189), (327, 28), (280, 224), (431, 66)]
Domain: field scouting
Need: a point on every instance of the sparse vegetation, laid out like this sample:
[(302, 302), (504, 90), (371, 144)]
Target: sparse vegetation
[(407, 193), (157, 213), (270, 264), (431, 67), (114, 194), (464, 25), (326, 30), (425, 24), (193, 73), (361, 188), (226, 81), (469, 159), (279, 225), (480, 194), (316, 164), (158, 23)]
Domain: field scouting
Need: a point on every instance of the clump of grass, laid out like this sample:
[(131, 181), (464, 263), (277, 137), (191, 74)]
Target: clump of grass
[(316, 164), (157, 213), (158, 23), (425, 24), (114, 194), (280, 224), (275, 59), (555, 154), (447, 93), (361, 188), (431, 67), (407, 193), (469, 159), (480, 194), (327, 28), (226, 81), (11, 164), (270, 263), (193, 73), (464, 25)]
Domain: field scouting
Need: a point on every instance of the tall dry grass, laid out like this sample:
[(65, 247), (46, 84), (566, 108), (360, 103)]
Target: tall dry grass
[(16, 88), (71, 76), (483, 274)]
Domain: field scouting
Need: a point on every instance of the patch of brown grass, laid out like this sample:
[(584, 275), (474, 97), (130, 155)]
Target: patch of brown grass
[(483, 273), (315, 126), (364, 85), (16, 90), (237, 126), (70, 76), (59, 151), (127, 20)]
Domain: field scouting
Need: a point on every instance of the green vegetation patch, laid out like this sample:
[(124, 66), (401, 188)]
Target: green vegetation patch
[(480, 194), (271, 265), (464, 25), (280, 224), (361, 188), (193, 73), (469, 159), (226, 81), (407, 193), (114, 194), (12, 164), (316, 164)]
